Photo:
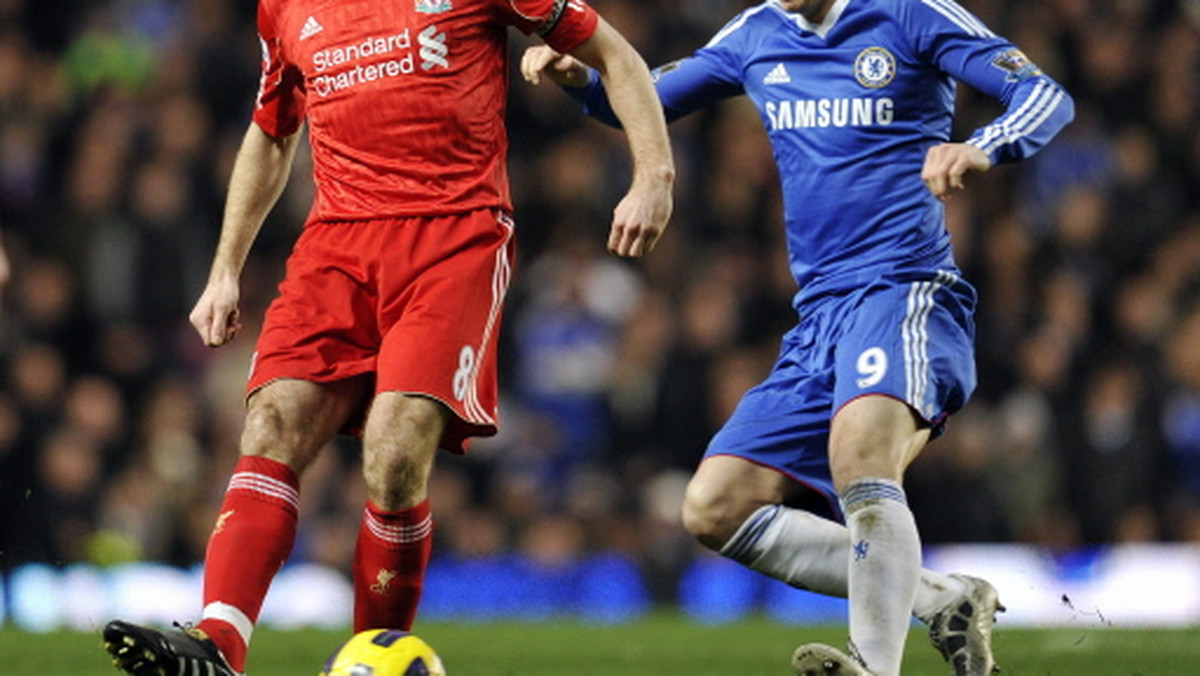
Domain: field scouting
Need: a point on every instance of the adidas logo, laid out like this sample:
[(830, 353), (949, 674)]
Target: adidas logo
[(311, 28), (778, 75)]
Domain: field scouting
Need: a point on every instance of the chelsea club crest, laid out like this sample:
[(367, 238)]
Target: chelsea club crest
[(875, 67)]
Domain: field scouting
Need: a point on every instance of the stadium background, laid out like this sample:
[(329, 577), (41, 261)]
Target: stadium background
[(118, 124)]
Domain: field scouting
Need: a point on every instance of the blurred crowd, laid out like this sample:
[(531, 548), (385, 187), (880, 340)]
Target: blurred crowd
[(119, 120)]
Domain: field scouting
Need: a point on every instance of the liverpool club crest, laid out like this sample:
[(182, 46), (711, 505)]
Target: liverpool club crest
[(433, 6)]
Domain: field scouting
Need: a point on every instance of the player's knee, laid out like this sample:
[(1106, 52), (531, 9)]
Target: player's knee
[(400, 422), (706, 515), (395, 479), (270, 432)]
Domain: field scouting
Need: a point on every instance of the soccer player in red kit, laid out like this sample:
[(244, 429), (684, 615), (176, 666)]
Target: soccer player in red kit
[(387, 318)]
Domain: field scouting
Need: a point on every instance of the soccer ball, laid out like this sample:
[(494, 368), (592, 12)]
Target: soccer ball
[(384, 652)]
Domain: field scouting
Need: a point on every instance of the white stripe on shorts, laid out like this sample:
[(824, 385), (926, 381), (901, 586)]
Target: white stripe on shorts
[(915, 333), (501, 274)]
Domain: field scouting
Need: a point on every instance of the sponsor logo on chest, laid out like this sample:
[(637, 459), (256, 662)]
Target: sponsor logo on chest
[(831, 112), (874, 68), (344, 66)]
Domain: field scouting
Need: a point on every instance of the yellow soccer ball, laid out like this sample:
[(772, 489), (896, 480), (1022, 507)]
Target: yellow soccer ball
[(384, 652)]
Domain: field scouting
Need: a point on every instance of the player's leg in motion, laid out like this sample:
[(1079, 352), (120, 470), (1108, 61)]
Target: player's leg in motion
[(396, 533), (734, 506), (287, 424), (873, 439)]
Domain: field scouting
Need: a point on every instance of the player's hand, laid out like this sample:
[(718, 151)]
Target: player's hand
[(562, 69), (946, 164), (641, 217), (216, 316)]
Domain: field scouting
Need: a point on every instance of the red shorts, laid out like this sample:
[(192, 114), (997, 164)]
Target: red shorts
[(414, 302)]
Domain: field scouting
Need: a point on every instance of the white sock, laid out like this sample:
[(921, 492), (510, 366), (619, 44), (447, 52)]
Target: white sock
[(794, 546), (885, 567), (813, 553), (936, 592)]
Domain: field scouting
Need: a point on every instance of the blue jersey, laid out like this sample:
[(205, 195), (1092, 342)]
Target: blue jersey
[(851, 107)]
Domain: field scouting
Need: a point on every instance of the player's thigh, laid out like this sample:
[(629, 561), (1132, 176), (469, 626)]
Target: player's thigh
[(440, 331), (904, 362), (874, 436), (774, 447), (910, 341), (322, 326), (289, 420)]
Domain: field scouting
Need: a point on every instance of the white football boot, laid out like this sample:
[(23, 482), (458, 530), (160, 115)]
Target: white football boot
[(962, 631)]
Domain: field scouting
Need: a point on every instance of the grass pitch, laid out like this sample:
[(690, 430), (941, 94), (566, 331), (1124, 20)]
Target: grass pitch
[(659, 645)]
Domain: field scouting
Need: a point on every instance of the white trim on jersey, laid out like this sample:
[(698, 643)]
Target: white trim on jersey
[(988, 135), (1042, 103), (819, 29), (736, 24), (262, 78), (958, 15)]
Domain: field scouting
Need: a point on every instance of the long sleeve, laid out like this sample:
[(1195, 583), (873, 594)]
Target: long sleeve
[(961, 46)]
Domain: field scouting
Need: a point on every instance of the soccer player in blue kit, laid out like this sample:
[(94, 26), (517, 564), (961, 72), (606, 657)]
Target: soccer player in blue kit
[(857, 97)]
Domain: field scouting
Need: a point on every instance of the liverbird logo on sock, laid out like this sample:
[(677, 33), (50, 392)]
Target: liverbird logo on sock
[(221, 519), (383, 580)]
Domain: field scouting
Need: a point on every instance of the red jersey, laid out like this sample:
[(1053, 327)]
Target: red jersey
[(405, 99)]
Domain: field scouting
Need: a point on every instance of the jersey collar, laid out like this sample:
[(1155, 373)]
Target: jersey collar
[(820, 29)]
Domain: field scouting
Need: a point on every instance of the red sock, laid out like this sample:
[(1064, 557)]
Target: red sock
[(389, 566), (254, 535)]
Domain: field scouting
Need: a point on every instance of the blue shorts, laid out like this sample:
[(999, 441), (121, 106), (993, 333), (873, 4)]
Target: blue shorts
[(910, 338)]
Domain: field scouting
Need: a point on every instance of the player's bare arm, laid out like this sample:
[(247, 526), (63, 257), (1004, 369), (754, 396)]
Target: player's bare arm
[(5, 268), (259, 176), (947, 163), (642, 215)]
